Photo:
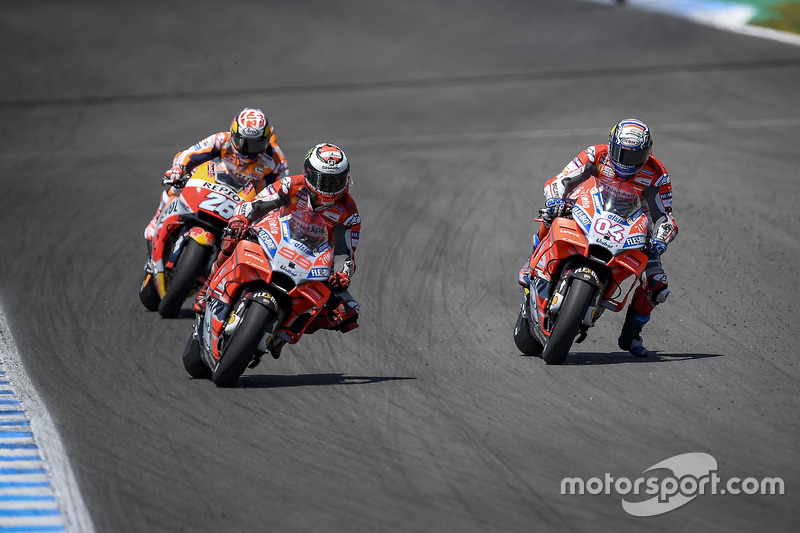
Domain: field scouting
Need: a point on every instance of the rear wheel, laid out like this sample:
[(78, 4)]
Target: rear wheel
[(148, 293), (192, 361), (568, 322), (523, 338), (239, 350), (184, 278)]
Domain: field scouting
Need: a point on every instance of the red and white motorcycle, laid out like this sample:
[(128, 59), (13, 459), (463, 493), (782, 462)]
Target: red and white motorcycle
[(269, 291), (590, 260), (187, 232)]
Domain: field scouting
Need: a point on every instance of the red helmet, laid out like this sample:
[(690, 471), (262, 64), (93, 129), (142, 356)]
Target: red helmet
[(327, 173), (250, 134)]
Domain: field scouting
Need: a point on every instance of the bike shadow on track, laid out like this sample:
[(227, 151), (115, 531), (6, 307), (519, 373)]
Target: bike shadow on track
[(624, 357), (313, 380)]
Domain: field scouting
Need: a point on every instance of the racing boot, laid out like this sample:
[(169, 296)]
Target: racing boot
[(630, 338), (228, 245), (150, 230), (275, 349), (199, 306), (345, 316), (524, 277)]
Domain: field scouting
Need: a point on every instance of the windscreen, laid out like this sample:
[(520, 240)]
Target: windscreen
[(620, 198), (308, 227)]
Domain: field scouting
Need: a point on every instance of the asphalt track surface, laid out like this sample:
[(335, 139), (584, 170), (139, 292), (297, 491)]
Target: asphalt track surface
[(425, 418)]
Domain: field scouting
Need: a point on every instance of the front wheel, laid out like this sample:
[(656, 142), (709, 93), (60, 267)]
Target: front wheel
[(239, 351), (192, 361), (568, 322), (526, 342), (184, 277), (148, 293)]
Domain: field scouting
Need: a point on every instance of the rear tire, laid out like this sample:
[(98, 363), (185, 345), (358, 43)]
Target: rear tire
[(184, 278), (526, 342), (239, 351), (192, 361), (568, 322), (148, 293)]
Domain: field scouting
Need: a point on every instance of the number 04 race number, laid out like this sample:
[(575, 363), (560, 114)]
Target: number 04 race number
[(605, 227)]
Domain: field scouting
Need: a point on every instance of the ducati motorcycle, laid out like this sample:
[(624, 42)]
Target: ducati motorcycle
[(591, 259), (269, 291), (187, 234)]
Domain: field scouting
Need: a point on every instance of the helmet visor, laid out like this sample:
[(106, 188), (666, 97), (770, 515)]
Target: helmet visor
[(326, 183), (628, 158), (248, 146)]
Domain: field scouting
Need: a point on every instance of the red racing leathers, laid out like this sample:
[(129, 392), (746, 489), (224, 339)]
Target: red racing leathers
[(344, 223), (653, 184)]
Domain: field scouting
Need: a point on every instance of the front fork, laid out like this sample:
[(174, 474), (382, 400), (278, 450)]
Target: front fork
[(593, 312), (200, 235)]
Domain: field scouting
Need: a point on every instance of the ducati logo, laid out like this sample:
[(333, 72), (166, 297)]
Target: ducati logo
[(330, 154)]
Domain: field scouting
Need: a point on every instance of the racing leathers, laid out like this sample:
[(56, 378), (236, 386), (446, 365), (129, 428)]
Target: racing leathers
[(254, 174), (652, 183), (344, 224)]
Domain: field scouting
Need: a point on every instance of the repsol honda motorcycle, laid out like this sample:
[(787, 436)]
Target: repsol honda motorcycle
[(590, 260), (269, 291), (187, 232)]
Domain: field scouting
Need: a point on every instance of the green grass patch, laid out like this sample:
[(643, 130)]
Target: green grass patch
[(783, 17)]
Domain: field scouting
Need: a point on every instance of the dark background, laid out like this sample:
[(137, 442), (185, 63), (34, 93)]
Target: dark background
[(453, 114)]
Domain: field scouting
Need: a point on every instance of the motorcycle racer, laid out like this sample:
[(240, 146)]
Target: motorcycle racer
[(626, 157), (324, 188), (249, 150)]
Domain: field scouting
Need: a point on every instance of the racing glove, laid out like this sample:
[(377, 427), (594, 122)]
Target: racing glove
[(175, 176), (656, 247), (553, 207), (339, 281), (238, 226)]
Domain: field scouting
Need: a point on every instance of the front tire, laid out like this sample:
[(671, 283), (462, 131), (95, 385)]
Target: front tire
[(526, 342), (148, 293), (184, 277), (192, 361), (239, 351), (568, 322)]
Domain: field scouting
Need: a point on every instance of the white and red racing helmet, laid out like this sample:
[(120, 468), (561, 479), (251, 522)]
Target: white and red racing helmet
[(327, 173), (250, 134)]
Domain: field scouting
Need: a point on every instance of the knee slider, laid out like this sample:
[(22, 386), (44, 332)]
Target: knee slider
[(658, 288)]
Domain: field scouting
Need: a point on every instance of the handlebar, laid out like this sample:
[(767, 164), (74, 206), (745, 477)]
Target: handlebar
[(178, 185)]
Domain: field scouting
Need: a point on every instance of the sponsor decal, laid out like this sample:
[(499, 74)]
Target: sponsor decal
[(319, 273), (664, 231), (303, 248), (587, 273), (266, 240), (354, 219), (634, 241), (583, 218), (606, 170), (663, 180), (330, 155)]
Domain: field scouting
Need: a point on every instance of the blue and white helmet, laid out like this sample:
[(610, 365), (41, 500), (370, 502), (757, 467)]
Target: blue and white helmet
[(629, 145)]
